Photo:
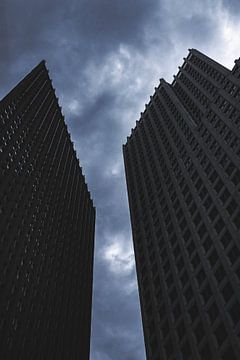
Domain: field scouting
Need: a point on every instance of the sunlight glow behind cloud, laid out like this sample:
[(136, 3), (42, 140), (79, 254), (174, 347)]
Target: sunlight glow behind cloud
[(119, 255)]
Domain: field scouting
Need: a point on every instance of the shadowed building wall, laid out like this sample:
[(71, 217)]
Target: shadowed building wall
[(182, 165), (46, 229)]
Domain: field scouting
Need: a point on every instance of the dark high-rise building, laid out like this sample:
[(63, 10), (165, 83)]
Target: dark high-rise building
[(182, 164), (46, 229)]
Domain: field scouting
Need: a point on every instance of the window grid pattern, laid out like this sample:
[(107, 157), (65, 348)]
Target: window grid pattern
[(182, 169), (46, 229)]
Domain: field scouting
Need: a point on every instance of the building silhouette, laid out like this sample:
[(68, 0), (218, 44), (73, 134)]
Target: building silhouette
[(182, 163), (46, 229)]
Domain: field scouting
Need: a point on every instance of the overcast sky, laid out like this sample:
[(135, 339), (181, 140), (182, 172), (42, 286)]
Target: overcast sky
[(105, 57)]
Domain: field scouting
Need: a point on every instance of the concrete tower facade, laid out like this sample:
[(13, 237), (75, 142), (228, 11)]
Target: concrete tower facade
[(182, 164), (46, 229)]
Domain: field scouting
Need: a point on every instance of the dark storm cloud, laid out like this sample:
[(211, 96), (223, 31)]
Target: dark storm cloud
[(94, 114), (107, 23), (200, 26), (68, 33), (233, 6)]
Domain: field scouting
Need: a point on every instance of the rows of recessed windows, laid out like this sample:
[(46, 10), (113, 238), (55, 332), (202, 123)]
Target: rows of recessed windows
[(12, 121), (171, 157), (207, 68), (232, 171), (137, 191), (229, 110), (207, 245), (189, 104), (169, 278), (223, 159), (205, 291), (229, 237), (199, 96), (236, 70), (178, 142), (132, 168), (30, 84), (232, 89), (226, 134), (29, 231), (166, 266), (181, 122), (212, 212), (40, 268), (22, 235), (6, 116), (8, 119), (19, 142), (12, 187), (200, 79)]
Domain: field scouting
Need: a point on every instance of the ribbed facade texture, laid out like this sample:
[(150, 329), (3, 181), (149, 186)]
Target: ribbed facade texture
[(182, 164), (47, 222)]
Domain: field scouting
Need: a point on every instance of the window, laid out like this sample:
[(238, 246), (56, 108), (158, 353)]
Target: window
[(198, 184), (173, 239), (183, 224), (169, 280), (165, 328), (188, 293), (226, 239), (184, 278), (229, 170), (208, 202), (179, 214), (197, 219), (201, 276), (213, 312), (207, 244), (218, 186), (166, 266), (224, 161), (202, 231), (177, 311), (206, 352), (186, 350), (206, 293), (195, 261), (221, 334), (213, 213), (227, 292), (236, 177), (177, 251), (193, 311), (181, 330), (173, 294), (162, 312), (213, 176), (233, 254), (187, 235), (234, 312), (229, 354), (220, 274), (213, 257), (236, 219), (168, 348), (232, 206), (199, 331), (191, 248), (193, 208)]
